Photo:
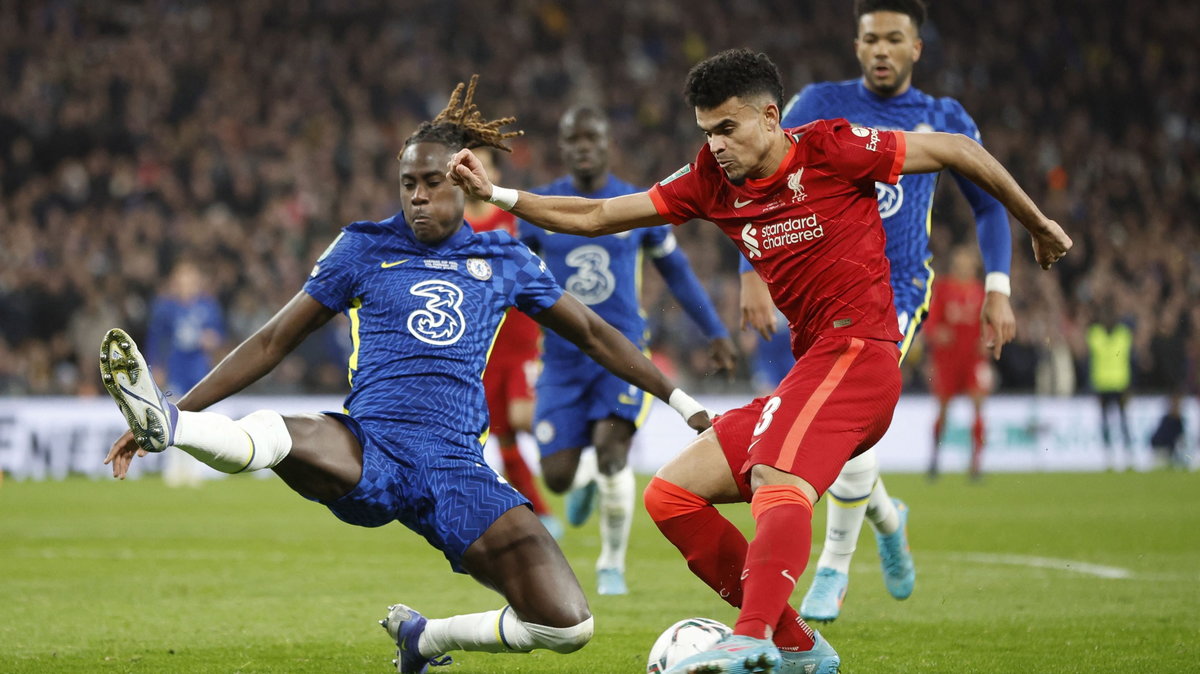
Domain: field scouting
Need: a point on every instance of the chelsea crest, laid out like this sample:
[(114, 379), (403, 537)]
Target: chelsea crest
[(479, 268)]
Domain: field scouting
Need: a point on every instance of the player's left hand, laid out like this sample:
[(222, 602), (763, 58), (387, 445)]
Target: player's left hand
[(700, 421), (121, 454), (1050, 243), (999, 323), (723, 355), (465, 171)]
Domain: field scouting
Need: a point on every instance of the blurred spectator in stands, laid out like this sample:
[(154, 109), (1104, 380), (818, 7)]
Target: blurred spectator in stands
[(186, 329)]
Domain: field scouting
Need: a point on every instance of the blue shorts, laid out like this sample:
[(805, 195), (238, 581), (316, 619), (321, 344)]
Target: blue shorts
[(443, 490), (912, 306), (570, 399)]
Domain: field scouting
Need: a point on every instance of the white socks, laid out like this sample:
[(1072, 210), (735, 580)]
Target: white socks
[(586, 470), (881, 511), (499, 632), (616, 517), (259, 440), (848, 498)]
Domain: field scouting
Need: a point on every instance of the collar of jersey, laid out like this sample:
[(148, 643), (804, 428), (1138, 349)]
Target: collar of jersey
[(871, 95)]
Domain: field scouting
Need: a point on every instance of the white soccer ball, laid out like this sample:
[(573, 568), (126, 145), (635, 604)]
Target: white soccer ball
[(683, 640)]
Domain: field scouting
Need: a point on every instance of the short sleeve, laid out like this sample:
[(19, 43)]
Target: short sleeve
[(659, 242), (528, 234), (859, 154), (332, 280), (677, 197), (956, 119), (534, 288)]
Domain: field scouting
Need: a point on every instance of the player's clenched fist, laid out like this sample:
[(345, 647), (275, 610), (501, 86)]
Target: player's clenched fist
[(465, 170)]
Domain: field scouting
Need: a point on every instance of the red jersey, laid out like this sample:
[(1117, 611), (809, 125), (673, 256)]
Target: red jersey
[(812, 230), (518, 338), (953, 327)]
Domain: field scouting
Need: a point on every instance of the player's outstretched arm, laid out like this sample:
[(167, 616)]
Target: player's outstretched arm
[(930, 152), (246, 364), (690, 292), (260, 353), (571, 319), (566, 215)]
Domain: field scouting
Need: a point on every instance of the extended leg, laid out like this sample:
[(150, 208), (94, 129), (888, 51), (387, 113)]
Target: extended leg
[(546, 606)]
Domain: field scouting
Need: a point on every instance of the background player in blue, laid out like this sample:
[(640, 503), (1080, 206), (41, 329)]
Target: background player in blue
[(425, 296), (887, 46), (184, 332), (580, 403)]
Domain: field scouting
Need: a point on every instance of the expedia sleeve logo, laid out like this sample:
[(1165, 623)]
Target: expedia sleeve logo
[(441, 321)]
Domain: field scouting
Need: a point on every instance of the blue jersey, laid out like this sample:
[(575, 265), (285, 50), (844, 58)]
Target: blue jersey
[(605, 272), (423, 318), (174, 338), (906, 206)]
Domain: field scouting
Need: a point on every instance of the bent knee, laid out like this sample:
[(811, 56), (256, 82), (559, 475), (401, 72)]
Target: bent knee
[(563, 639), (557, 482)]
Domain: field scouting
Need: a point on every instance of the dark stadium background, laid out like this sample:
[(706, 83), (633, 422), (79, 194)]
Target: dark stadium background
[(243, 135)]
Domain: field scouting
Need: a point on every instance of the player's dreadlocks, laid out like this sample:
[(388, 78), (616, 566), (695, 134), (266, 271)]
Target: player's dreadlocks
[(461, 125)]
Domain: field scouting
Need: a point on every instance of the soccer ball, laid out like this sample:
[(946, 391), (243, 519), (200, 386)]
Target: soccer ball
[(683, 640)]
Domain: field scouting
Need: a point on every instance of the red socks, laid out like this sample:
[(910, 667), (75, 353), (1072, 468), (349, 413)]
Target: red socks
[(777, 557), (977, 438), (517, 472), (715, 551)]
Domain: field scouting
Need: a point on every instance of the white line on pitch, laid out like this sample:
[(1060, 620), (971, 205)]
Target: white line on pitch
[(1076, 566)]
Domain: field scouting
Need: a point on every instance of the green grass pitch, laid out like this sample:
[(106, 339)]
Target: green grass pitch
[(1023, 573)]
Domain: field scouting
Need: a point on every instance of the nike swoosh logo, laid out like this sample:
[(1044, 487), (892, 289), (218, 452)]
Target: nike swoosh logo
[(752, 445), (738, 203), (626, 400), (389, 265)]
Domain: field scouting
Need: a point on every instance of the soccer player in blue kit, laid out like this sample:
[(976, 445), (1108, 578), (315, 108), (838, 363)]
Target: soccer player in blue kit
[(580, 403), (887, 46), (425, 296)]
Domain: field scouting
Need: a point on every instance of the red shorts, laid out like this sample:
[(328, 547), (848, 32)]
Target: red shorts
[(835, 403), (505, 381), (961, 377)]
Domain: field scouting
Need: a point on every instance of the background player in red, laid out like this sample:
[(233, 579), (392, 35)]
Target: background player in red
[(511, 369), (958, 357), (800, 204)]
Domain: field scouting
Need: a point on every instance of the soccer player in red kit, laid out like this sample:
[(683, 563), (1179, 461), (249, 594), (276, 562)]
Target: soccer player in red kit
[(958, 358), (511, 368), (800, 205)]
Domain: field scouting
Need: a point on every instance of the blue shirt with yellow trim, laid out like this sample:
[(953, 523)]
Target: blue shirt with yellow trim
[(905, 206), (423, 318), (604, 272)]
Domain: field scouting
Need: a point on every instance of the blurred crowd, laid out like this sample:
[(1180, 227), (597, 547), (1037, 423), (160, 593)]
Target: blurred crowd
[(239, 137)]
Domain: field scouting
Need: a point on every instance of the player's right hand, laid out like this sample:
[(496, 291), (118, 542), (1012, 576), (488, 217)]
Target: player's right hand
[(465, 171), (700, 421), (121, 455), (1050, 243), (758, 309)]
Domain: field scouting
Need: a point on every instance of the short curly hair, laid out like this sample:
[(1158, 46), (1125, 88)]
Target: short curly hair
[(733, 72), (915, 9)]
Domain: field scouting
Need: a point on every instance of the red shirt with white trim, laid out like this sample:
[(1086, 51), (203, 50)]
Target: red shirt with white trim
[(812, 230)]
